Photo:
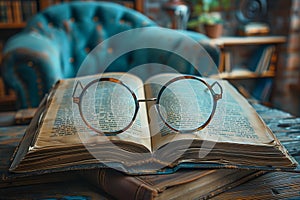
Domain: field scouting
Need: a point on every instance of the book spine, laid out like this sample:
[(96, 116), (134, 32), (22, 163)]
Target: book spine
[(120, 186), (3, 12), (16, 9)]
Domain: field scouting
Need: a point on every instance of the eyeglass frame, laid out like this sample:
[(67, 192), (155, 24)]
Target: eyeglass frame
[(78, 101)]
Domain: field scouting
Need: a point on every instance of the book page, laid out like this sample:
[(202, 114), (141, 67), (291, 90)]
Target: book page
[(234, 120), (63, 124)]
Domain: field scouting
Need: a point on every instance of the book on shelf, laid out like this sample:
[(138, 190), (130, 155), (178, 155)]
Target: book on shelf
[(63, 134), (227, 61), (260, 64), (268, 59), (261, 59), (17, 11), (3, 12), (29, 8)]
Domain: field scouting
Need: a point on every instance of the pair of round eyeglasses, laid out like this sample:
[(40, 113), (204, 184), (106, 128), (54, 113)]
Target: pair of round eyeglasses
[(184, 104)]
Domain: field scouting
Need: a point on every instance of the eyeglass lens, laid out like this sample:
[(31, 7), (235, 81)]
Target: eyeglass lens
[(108, 106), (186, 104)]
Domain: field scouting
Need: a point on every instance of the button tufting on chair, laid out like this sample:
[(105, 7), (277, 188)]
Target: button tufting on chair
[(110, 50), (96, 19), (87, 49), (30, 63)]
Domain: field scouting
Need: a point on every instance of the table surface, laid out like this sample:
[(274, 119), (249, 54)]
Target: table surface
[(271, 185)]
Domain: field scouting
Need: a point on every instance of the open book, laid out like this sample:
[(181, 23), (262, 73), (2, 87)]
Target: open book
[(61, 135)]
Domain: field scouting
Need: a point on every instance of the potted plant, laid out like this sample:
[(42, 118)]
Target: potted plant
[(207, 14)]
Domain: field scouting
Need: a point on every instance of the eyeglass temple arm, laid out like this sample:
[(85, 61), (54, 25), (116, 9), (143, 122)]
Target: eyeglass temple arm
[(76, 99), (217, 96)]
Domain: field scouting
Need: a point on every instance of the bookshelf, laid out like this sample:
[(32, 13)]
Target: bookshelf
[(250, 63), (134, 4), (15, 13), (227, 41)]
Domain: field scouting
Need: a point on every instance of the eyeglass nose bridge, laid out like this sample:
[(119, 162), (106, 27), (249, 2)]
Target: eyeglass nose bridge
[(147, 100)]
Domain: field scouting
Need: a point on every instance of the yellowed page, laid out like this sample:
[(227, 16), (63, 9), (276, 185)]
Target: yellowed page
[(63, 125), (234, 121)]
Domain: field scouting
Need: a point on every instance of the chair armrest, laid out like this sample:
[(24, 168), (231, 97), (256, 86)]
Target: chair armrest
[(31, 64)]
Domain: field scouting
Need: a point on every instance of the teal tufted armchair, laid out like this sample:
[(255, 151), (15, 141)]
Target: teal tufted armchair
[(56, 41)]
